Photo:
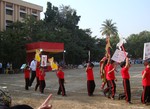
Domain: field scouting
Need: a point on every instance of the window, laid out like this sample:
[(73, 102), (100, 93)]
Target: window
[(8, 22), (35, 17), (9, 12), (23, 8), (34, 11), (22, 15), (8, 5)]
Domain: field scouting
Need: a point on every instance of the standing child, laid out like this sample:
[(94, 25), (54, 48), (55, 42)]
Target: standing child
[(90, 79), (126, 80), (42, 79), (111, 79), (102, 72), (146, 84), (37, 76), (107, 62), (27, 76), (60, 75)]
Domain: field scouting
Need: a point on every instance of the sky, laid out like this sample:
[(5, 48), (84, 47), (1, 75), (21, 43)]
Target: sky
[(130, 16)]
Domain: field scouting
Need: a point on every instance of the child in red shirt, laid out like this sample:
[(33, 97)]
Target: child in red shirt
[(111, 79), (42, 79), (107, 62), (126, 81), (61, 80), (102, 72), (37, 77), (27, 76), (90, 79), (146, 84)]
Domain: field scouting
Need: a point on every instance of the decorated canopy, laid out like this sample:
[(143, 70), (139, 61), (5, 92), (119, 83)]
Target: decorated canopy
[(46, 47)]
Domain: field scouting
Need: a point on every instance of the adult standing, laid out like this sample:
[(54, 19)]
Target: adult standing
[(33, 71)]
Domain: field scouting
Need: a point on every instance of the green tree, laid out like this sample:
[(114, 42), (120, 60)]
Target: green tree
[(109, 29), (12, 46), (59, 25), (135, 44), (66, 30), (68, 17)]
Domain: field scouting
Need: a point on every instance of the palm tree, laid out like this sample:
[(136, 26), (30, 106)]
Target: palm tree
[(108, 29)]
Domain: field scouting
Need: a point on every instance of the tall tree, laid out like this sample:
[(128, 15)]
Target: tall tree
[(109, 29), (68, 17), (51, 13), (136, 42)]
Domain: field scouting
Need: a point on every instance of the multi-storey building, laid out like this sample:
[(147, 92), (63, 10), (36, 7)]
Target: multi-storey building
[(16, 10)]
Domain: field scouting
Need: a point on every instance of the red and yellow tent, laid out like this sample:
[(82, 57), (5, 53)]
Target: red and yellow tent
[(47, 47)]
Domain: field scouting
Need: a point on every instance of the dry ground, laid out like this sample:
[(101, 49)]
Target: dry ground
[(76, 91)]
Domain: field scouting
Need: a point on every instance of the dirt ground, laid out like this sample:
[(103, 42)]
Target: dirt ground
[(76, 89)]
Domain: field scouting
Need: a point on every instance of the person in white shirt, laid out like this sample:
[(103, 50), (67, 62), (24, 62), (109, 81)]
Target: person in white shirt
[(33, 71)]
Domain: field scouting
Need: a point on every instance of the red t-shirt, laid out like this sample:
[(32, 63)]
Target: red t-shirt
[(60, 74), (111, 76), (90, 75), (26, 73), (37, 72), (100, 64), (125, 73), (106, 71), (41, 75), (146, 80), (49, 68)]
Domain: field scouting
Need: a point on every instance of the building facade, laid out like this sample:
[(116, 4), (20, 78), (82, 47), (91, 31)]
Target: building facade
[(16, 10)]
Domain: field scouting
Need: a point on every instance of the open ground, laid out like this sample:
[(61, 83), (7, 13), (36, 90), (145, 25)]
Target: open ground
[(76, 89)]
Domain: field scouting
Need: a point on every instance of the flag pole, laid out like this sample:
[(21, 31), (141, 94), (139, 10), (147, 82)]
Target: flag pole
[(89, 54)]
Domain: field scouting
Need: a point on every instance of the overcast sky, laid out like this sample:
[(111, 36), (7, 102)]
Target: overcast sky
[(130, 16)]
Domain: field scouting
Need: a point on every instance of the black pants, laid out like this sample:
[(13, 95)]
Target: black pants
[(145, 98), (42, 85), (33, 75), (112, 88), (127, 90), (37, 83), (27, 83), (106, 90), (61, 88), (90, 87), (1, 70)]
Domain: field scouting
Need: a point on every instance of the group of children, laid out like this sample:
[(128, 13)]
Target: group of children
[(40, 78), (107, 71)]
